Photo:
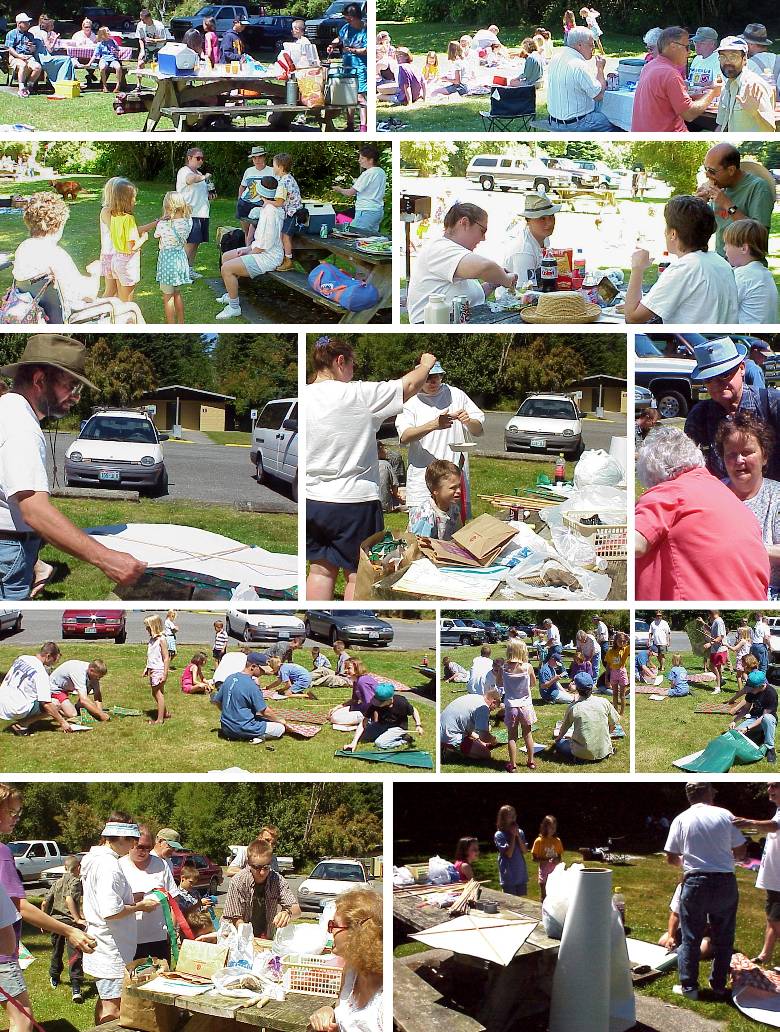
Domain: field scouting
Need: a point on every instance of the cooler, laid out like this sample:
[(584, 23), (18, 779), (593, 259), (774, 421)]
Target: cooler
[(342, 87), (176, 59), (629, 70), (320, 214)]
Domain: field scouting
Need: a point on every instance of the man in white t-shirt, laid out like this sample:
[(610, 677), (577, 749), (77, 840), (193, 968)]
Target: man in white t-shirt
[(760, 640), (25, 692), (448, 266), (151, 37), (481, 669), (660, 636), (552, 639), (145, 872), (193, 184), (47, 382), (76, 675), (769, 872), (483, 39), (368, 190), (707, 61), (704, 842), (440, 415)]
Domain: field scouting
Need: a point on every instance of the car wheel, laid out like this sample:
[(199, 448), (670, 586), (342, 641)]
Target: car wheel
[(214, 886), (126, 26), (504, 189), (161, 487), (260, 474), (18, 625), (486, 182), (465, 640), (671, 404), (121, 638), (307, 629), (247, 636), (294, 489), (334, 635)]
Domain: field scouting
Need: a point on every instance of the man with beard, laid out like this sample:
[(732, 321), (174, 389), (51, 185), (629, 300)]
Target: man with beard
[(47, 383), (747, 103), (430, 422)]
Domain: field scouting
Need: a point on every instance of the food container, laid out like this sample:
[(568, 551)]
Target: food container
[(68, 88), (342, 88)]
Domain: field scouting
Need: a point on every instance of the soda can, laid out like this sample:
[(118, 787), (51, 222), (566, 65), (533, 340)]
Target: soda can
[(324, 231), (461, 310)]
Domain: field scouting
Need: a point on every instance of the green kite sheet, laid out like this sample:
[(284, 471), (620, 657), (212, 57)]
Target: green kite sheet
[(721, 754), (408, 758)]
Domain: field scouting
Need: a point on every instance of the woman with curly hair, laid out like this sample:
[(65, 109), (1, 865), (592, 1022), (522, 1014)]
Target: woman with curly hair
[(45, 215), (357, 939)]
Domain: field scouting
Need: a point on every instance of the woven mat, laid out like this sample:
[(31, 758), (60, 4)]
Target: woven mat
[(123, 711), (304, 716), (728, 708), (303, 730), (705, 677), (745, 972), (649, 689)]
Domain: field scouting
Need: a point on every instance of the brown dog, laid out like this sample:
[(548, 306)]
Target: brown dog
[(67, 188)]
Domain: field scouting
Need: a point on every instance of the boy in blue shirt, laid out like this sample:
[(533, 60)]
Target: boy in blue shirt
[(291, 679)]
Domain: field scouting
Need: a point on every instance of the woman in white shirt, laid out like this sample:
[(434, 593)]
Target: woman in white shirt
[(769, 871), (342, 469), (746, 243), (698, 288), (368, 190), (40, 254), (357, 939)]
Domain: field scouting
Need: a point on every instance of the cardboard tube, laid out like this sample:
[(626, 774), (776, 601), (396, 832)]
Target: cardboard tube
[(622, 1008)]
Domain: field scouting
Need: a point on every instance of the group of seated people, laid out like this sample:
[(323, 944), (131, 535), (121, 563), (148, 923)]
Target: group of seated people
[(472, 65)]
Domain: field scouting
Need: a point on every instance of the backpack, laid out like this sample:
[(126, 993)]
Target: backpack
[(20, 308), (352, 294)]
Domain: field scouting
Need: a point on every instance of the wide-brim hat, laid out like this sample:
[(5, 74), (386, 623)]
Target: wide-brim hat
[(257, 152), (561, 306), (53, 349), (538, 205), (171, 836), (756, 33), (716, 357)]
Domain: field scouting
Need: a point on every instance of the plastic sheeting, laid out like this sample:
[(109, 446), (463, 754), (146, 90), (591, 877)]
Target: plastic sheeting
[(719, 756)]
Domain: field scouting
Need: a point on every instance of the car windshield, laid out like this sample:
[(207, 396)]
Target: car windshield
[(209, 12), (117, 428), (547, 408), (641, 625), (337, 872), (364, 614), (18, 848)]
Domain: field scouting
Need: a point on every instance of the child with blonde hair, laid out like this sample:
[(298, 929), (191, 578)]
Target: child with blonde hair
[(431, 67), (547, 851), (741, 650), (510, 842), (106, 56), (170, 630), (678, 678), (127, 239), (106, 245), (438, 517), (157, 665), (173, 268), (616, 662), (516, 677)]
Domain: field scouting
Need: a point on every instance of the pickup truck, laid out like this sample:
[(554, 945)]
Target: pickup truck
[(262, 31), (456, 632), (322, 31), (34, 856)]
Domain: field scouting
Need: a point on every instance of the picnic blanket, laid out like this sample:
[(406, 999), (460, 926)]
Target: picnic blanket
[(649, 689), (719, 755), (728, 708), (705, 677), (304, 716), (404, 758), (745, 973), (303, 730)]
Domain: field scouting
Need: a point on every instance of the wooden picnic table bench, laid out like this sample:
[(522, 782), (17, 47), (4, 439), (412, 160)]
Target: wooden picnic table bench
[(183, 116)]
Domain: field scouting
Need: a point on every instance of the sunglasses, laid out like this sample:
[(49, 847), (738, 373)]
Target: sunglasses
[(333, 927), (259, 867)]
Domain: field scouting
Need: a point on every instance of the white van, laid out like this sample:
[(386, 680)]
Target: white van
[(274, 451), (508, 173)]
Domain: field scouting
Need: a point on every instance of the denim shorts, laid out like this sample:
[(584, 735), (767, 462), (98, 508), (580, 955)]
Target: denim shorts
[(290, 224), (109, 988), (17, 561), (12, 979)]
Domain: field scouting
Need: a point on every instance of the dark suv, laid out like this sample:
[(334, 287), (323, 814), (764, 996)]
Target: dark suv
[(100, 16), (209, 873), (663, 364), (322, 31)]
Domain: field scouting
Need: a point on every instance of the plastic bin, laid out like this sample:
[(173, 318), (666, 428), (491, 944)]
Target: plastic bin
[(611, 539), (68, 88)]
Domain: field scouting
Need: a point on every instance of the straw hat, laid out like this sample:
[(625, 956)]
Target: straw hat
[(561, 306)]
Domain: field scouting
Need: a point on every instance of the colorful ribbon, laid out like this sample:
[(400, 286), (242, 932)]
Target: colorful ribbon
[(172, 916)]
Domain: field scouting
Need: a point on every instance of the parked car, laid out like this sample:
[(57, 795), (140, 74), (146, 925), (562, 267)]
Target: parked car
[(499, 630), (490, 634), (598, 170), (456, 632), (508, 173), (328, 880), (263, 625), (322, 31), (209, 873), (119, 447), (260, 30), (663, 364), (274, 449), (352, 626), (53, 874), (113, 20), (286, 864), (95, 623), (643, 398), (34, 856), (10, 620), (641, 634), (546, 423), (774, 639)]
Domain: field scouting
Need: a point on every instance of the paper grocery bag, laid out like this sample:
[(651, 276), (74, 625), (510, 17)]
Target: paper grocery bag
[(483, 536), (142, 1014), (368, 573), (201, 958)]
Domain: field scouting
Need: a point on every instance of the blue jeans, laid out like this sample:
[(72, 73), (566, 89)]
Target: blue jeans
[(681, 689), (761, 653), (768, 727), (560, 695), (593, 122), (17, 563), (367, 219), (713, 898)]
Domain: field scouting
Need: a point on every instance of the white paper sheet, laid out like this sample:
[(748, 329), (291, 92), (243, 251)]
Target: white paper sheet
[(425, 578), (763, 1007), (161, 984), (488, 936)]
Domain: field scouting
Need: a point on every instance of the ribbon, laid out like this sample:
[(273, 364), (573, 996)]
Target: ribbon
[(172, 916), (19, 1007)]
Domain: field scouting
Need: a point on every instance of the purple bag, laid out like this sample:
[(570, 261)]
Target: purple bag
[(352, 294)]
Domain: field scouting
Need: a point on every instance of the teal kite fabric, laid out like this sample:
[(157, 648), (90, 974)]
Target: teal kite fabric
[(719, 755), (410, 758)]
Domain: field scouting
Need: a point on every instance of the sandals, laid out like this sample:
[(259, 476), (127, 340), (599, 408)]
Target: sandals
[(510, 768), (531, 765)]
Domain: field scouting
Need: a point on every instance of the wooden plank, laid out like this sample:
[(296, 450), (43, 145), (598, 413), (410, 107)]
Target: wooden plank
[(416, 1010), (290, 1016), (297, 281)]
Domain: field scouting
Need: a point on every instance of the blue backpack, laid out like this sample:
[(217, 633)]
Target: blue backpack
[(352, 294)]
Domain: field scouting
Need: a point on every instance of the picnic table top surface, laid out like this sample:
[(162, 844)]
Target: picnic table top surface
[(483, 314), (212, 76), (344, 246)]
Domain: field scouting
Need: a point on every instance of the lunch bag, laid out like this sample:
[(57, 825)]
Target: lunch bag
[(352, 294), (20, 308)]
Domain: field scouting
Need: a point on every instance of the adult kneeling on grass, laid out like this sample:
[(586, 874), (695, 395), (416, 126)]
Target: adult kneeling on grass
[(244, 713), (464, 725), (592, 721)]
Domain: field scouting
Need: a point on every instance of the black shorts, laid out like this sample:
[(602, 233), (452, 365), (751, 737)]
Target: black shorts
[(772, 904), (243, 208), (199, 234), (336, 530)]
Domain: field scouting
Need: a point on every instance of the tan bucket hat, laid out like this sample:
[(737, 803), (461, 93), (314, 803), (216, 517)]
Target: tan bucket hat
[(53, 349), (561, 306)]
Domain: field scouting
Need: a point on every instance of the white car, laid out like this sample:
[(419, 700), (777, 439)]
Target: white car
[(546, 423), (329, 879), (263, 625), (774, 639), (641, 634), (10, 620), (118, 447)]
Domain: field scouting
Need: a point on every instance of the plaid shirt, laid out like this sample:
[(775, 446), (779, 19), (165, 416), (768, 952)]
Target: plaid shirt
[(706, 416), (238, 903)]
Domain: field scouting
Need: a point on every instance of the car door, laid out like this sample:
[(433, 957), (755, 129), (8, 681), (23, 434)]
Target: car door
[(226, 16), (266, 434), (288, 444)]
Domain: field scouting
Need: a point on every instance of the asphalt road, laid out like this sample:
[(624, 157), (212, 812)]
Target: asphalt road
[(596, 433), (197, 628), (201, 471)]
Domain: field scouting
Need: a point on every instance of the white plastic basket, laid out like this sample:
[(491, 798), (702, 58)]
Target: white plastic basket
[(611, 539), (313, 975)]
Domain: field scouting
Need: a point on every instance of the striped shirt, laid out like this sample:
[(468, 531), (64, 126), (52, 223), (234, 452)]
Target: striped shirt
[(220, 641), (706, 416), (571, 86), (238, 902)]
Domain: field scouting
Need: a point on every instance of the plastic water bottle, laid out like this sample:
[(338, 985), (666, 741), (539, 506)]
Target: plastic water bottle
[(619, 903), (664, 263), (324, 231), (560, 470), (437, 310), (578, 265)]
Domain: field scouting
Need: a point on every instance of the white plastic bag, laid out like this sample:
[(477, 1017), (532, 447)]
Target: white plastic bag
[(578, 551), (558, 891), (592, 587), (597, 467), (440, 872), (240, 943), (402, 876)]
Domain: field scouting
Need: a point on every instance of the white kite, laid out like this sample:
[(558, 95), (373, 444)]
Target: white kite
[(490, 937)]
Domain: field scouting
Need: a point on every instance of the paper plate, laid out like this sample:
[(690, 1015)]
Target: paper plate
[(465, 446)]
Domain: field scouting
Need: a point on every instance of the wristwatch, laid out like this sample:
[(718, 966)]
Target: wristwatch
[(732, 210)]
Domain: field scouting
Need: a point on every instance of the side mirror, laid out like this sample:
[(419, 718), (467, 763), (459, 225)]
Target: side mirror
[(164, 437), (291, 425)]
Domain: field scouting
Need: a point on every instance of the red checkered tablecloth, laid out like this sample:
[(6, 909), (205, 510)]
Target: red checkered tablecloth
[(84, 54)]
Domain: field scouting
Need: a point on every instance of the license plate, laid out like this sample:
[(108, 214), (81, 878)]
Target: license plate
[(538, 442), (109, 474), (90, 630), (373, 634)]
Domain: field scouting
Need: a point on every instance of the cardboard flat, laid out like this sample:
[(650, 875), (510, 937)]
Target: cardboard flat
[(201, 959), (449, 553), (483, 536)]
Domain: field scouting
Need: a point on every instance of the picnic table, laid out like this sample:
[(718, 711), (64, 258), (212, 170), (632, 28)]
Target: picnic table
[(187, 98), (520, 989), (309, 251), (618, 107), (482, 315), (235, 1015)]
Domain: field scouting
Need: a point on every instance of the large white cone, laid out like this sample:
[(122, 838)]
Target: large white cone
[(622, 1009)]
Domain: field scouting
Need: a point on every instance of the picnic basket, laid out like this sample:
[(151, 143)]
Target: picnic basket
[(311, 974), (610, 539)]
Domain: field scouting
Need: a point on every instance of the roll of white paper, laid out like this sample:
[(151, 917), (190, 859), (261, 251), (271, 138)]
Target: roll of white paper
[(618, 449), (622, 1009)]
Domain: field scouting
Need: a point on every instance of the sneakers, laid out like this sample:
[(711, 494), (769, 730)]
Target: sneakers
[(76, 996), (21, 730), (688, 994), (257, 741), (771, 756), (719, 995), (229, 312), (53, 982), (224, 299), (286, 265)]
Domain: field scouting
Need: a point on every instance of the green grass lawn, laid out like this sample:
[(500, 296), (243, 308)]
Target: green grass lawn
[(667, 730), (648, 884), (93, 111), (237, 438), (544, 732), (189, 741), (453, 114), (74, 579)]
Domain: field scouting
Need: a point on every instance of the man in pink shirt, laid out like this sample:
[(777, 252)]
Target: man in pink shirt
[(661, 101)]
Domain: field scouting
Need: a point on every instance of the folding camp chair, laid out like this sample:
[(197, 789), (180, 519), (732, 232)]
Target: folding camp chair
[(103, 310), (509, 104)]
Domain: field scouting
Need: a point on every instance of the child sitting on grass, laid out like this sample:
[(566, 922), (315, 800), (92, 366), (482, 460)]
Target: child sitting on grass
[(678, 677), (192, 680), (318, 661), (466, 854), (453, 671), (547, 851), (579, 665), (439, 516), (386, 722), (291, 679)]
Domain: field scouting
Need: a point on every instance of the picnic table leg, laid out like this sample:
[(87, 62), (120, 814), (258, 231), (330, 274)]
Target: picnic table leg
[(159, 101)]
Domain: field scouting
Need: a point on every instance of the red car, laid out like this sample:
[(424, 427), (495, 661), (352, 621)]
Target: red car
[(95, 623), (209, 874)]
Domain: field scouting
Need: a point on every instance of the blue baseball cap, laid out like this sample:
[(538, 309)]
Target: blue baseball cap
[(383, 692), (756, 679), (258, 658), (583, 680), (436, 369)]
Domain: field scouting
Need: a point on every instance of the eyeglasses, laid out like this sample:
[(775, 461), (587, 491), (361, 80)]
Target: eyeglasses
[(143, 849), (333, 927), (677, 43), (197, 157), (712, 171), (259, 867), (73, 387)]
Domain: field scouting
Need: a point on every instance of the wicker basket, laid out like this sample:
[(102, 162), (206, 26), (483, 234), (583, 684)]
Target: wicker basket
[(312, 975), (611, 539)]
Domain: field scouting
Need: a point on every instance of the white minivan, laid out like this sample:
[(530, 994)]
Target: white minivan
[(274, 451)]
